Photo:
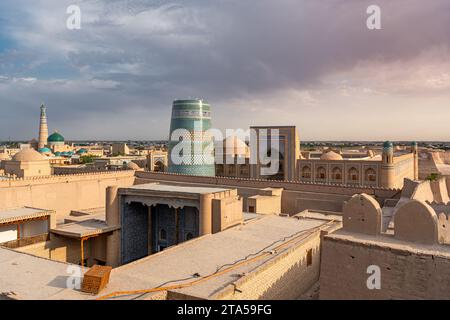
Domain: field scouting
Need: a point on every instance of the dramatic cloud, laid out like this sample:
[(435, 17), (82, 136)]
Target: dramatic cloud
[(304, 62)]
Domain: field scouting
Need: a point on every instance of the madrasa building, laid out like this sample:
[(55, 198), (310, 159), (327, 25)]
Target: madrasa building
[(385, 168)]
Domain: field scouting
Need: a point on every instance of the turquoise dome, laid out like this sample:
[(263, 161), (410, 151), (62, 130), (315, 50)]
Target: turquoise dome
[(82, 151), (44, 150), (55, 137)]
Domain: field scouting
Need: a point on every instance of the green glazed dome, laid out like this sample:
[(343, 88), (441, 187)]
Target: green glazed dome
[(56, 137)]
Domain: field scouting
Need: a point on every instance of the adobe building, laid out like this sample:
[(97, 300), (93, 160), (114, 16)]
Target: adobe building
[(62, 193), (267, 201), (153, 217), (407, 242), (157, 160), (28, 163), (387, 170), (120, 149), (214, 267), (20, 226)]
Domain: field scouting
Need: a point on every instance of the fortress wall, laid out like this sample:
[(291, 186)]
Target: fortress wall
[(424, 192), (405, 274), (430, 164), (441, 157), (296, 197), (64, 170), (439, 189), (404, 168), (447, 181), (62, 193), (426, 168)]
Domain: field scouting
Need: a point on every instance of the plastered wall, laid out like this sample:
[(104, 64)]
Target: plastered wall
[(284, 278), (405, 274), (296, 196), (62, 193)]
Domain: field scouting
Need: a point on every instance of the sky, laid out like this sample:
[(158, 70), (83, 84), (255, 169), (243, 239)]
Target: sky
[(309, 63)]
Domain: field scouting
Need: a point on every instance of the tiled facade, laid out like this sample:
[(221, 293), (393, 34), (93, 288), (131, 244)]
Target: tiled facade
[(191, 115)]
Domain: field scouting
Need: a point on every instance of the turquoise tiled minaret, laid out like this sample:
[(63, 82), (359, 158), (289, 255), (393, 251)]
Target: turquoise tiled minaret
[(191, 115)]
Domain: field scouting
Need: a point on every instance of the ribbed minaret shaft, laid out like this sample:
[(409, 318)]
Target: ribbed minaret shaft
[(43, 128)]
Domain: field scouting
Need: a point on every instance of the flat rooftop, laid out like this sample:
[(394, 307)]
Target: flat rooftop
[(27, 277), (30, 277), (18, 214), (81, 229), (178, 189), (388, 241), (206, 255)]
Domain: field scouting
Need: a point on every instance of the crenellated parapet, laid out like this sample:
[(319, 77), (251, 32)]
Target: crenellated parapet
[(414, 220), (292, 183)]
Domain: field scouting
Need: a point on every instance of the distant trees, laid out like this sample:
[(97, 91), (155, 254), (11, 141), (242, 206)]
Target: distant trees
[(87, 159)]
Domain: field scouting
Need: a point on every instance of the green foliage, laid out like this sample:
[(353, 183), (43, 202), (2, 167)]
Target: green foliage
[(87, 159), (433, 177)]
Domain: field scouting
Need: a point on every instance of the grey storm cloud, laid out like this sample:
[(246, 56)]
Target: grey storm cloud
[(117, 76)]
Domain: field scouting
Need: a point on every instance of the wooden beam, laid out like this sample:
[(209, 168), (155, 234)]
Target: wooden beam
[(25, 220)]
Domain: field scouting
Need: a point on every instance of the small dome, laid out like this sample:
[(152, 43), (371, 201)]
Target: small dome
[(238, 147), (82, 151), (133, 166), (44, 150), (414, 144), (28, 155), (388, 145), (331, 155), (56, 137)]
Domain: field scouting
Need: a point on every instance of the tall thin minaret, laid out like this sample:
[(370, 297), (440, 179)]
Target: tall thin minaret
[(43, 128)]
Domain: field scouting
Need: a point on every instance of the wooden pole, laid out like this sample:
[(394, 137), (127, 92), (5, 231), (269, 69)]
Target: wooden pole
[(82, 252), (18, 231), (177, 226)]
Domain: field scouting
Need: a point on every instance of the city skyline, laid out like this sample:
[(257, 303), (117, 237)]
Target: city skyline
[(312, 65)]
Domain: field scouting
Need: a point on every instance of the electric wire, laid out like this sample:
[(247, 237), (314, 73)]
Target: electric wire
[(231, 266)]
